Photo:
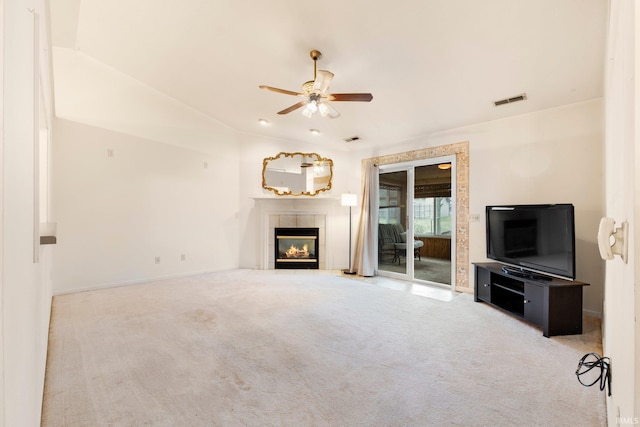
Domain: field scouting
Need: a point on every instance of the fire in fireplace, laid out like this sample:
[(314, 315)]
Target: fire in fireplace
[(296, 248)]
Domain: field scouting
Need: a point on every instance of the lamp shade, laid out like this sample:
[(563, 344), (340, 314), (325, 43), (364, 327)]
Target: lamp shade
[(349, 199)]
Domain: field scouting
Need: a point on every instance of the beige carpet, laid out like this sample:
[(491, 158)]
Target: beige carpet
[(265, 348)]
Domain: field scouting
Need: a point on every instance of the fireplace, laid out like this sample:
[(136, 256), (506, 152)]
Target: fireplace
[(296, 248)]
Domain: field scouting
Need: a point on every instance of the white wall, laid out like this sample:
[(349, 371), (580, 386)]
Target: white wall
[(122, 201), (87, 91), (153, 197), (26, 286), (550, 156)]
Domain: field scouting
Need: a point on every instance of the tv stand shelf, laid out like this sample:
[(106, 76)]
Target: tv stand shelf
[(553, 304)]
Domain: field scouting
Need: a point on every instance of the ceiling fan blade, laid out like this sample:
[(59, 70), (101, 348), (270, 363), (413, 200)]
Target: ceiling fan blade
[(292, 108), (284, 91), (362, 97), (322, 82)]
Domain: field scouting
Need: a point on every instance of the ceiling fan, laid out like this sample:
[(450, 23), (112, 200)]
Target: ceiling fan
[(317, 94)]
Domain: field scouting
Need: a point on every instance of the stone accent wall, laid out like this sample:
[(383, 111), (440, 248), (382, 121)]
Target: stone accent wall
[(461, 151)]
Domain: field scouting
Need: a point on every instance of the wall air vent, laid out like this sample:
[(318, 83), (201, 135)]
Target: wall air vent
[(521, 97), (352, 139)]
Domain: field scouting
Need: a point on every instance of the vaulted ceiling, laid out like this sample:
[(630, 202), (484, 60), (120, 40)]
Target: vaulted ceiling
[(431, 65)]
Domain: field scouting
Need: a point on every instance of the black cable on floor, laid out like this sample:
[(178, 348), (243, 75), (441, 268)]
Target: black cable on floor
[(592, 361)]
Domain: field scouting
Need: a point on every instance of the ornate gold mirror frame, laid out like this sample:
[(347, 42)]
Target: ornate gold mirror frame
[(297, 174)]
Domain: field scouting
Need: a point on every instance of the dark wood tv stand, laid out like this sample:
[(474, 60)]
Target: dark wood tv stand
[(553, 304)]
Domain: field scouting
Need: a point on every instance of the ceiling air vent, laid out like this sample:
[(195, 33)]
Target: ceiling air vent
[(352, 139), (521, 97)]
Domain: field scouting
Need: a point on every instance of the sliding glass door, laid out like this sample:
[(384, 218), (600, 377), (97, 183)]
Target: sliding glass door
[(392, 221), (416, 220)]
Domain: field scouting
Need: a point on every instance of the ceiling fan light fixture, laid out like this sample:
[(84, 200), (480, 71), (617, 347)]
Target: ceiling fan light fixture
[(264, 122), (324, 109), (310, 109)]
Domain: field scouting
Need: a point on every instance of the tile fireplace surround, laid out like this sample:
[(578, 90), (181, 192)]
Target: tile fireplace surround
[(293, 213)]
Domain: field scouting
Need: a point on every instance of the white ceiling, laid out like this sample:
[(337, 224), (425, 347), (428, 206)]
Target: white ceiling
[(431, 65)]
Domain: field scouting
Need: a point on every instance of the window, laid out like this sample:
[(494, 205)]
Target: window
[(432, 216), (390, 209)]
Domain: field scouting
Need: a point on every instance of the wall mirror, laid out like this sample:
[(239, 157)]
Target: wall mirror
[(297, 174)]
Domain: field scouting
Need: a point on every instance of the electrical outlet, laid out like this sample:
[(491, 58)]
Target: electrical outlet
[(183, 257), (110, 152), (206, 165), (157, 260)]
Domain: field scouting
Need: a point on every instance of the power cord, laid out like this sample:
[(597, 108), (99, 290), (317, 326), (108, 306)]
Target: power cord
[(592, 361)]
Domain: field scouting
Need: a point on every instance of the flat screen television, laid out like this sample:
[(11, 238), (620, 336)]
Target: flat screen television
[(533, 239)]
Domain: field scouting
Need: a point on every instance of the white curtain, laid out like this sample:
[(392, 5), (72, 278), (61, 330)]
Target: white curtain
[(365, 261)]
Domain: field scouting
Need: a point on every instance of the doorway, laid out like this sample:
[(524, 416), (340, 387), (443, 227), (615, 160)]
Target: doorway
[(417, 220)]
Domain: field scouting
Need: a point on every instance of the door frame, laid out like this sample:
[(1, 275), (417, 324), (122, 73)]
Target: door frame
[(461, 151)]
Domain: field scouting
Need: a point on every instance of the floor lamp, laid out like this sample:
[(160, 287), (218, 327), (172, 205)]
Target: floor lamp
[(349, 199)]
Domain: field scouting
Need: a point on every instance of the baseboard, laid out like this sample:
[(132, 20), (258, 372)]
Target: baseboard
[(592, 313), (135, 282)]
